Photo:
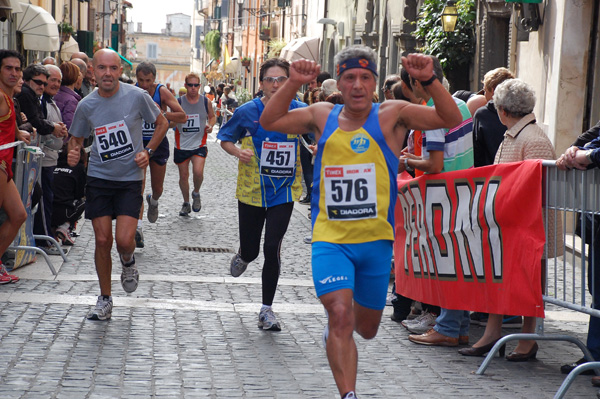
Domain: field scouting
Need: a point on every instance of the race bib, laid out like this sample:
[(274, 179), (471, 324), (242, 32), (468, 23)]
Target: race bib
[(192, 125), (278, 159), (113, 141), (350, 192), (148, 129)]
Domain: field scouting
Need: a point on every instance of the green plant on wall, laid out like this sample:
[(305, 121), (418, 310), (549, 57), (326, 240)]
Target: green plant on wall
[(212, 42), (455, 50), (275, 47), (243, 96), (66, 28)]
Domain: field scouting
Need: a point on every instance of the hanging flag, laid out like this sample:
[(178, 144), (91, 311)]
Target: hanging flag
[(226, 57)]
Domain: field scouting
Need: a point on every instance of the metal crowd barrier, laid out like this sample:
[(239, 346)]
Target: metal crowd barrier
[(27, 172), (573, 196)]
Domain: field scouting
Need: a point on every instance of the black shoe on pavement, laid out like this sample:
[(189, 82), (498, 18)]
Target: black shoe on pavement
[(305, 200), (567, 368)]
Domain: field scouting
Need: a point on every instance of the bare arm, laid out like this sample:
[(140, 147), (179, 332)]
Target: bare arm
[(277, 116), (212, 118), (74, 148), (243, 155), (445, 114), (177, 114), (434, 164)]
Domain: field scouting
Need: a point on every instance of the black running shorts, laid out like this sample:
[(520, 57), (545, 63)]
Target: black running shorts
[(161, 155), (180, 156), (112, 198)]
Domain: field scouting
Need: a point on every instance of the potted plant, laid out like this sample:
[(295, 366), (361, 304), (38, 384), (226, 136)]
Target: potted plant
[(66, 30), (265, 33), (246, 61)]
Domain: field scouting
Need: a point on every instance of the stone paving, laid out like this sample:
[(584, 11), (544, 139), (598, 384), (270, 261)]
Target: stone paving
[(190, 331)]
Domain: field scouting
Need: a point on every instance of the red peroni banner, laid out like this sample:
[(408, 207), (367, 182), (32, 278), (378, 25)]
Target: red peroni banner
[(473, 239)]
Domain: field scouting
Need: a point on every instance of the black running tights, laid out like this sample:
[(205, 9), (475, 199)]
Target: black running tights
[(252, 220)]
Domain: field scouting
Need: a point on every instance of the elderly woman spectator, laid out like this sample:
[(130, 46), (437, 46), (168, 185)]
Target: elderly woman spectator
[(524, 139), (67, 99)]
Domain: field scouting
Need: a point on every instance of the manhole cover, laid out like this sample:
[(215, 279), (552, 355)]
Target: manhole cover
[(207, 249)]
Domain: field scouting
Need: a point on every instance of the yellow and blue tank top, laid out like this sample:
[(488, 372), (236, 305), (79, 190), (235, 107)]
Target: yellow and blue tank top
[(274, 174), (354, 186)]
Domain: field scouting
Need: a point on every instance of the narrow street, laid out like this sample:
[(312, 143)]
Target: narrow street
[(190, 329)]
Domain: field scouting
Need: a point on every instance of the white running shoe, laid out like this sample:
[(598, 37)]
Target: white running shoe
[(186, 208), (237, 266), (129, 275), (196, 202), (424, 324), (102, 310), (152, 209), (268, 321)]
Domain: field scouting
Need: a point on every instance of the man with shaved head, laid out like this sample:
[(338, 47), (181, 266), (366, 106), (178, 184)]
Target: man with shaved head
[(86, 87), (83, 68), (113, 115)]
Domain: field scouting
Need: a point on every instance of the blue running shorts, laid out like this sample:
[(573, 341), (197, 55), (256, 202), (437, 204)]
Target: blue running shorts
[(364, 268)]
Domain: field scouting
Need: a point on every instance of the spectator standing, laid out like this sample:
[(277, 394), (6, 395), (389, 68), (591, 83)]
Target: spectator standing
[(488, 131), (524, 139), (67, 99)]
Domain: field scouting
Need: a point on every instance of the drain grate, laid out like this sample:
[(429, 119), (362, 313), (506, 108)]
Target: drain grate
[(207, 249)]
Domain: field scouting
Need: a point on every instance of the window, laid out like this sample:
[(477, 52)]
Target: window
[(152, 51)]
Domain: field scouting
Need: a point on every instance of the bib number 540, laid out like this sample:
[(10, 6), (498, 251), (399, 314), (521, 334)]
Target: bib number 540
[(114, 139)]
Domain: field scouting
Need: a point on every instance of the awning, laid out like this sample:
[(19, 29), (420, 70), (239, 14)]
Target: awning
[(302, 47), (209, 63), (122, 58), (69, 48), (39, 29)]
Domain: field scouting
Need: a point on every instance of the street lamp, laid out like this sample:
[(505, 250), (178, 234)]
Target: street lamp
[(449, 16), (326, 21)]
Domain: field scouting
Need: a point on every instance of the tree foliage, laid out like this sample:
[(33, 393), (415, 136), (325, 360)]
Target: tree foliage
[(454, 49), (212, 42)]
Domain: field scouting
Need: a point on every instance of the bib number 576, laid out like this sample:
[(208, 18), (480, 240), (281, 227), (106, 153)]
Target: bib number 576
[(346, 190)]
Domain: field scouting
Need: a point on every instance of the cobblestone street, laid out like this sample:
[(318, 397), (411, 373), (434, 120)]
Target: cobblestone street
[(190, 329)]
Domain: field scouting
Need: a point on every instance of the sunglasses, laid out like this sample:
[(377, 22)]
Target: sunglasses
[(39, 82), (278, 79), (192, 84)]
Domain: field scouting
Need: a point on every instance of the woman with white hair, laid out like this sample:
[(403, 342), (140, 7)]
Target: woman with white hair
[(524, 139)]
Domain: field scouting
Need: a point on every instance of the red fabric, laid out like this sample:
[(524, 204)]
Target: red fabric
[(8, 125), (477, 234)]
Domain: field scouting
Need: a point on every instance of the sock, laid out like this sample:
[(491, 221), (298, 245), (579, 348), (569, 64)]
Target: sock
[(153, 201), (265, 307), (139, 224), (64, 226), (130, 262), (349, 395), (106, 297)]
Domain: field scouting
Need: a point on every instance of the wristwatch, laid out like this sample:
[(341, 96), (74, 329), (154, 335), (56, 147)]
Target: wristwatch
[(150, 151), (588, 155), (429, 81)]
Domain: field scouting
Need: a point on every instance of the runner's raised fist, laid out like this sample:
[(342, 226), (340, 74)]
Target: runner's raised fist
[(418, 66), (304, 71)]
